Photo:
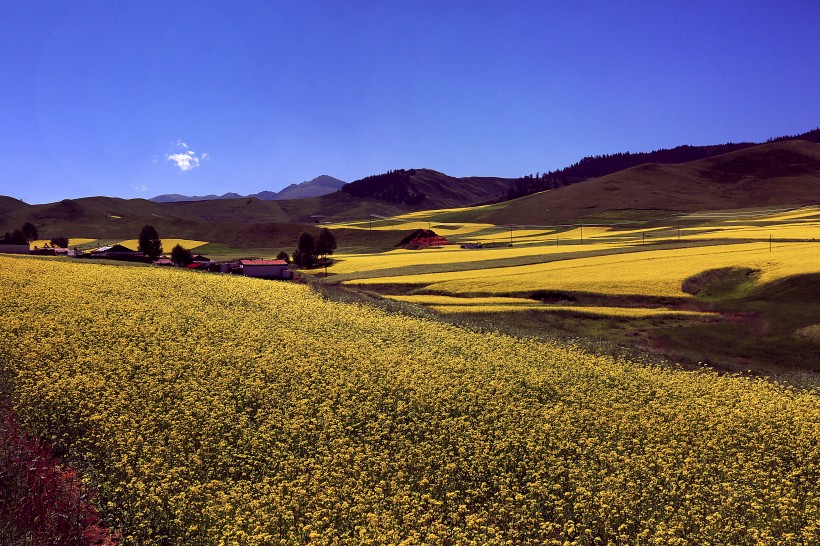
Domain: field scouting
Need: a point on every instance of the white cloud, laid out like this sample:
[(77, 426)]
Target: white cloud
[(140, 188), (185, 159), (185, 162)]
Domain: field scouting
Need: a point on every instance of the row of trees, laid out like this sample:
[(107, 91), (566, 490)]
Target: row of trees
[(312, 251), (26, 234), (151, 245), (601, 165)]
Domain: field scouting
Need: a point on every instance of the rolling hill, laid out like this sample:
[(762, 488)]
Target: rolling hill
[(777, 173), (10, 204), (429, 189), (602, 165), (239, 221)]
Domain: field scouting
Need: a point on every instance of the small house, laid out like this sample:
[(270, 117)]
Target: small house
[(265, 269), (423, 238), (114, 251), (14, 249)]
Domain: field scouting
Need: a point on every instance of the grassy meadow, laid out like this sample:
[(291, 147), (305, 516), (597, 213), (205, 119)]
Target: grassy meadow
[(216, 409)]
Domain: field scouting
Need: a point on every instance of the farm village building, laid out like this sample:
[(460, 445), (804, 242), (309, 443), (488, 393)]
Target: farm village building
[(423, 238), (14, 249), (114, 251), (265, 269)]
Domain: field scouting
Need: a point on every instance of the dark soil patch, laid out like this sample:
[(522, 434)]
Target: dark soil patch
[(41, 500)]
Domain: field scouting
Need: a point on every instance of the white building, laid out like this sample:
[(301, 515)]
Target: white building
[(265, 269)]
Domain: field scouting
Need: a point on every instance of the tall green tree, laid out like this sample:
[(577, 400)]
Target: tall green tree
[(30, 231), (305, 253), (150, 243), (16, 237), (326, 243), (59, 242), (181, 256)]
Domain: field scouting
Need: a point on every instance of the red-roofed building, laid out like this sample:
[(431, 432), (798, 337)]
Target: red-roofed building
[(265, 269), (423, 238)]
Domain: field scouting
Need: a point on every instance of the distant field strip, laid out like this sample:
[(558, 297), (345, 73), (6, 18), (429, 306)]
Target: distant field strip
[(72, 242), (452, 255), (805, 230), (378, 266), (449, 304), (167, 244), (651, 273)]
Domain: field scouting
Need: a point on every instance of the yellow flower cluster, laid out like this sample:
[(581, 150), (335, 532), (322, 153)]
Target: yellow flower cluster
[(241, 411)]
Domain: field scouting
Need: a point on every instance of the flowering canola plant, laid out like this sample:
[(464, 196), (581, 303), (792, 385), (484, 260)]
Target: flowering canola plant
[(242, 411)]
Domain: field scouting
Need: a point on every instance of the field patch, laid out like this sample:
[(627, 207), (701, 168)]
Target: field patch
[(167, 244), (811, 332), (652, 273), (72, 242)]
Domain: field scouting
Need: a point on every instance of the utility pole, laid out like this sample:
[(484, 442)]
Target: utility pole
[(643, 239), (511, 234), (582, 232), (770, 242)]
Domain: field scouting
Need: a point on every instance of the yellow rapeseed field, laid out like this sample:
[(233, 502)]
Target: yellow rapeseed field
[(654, 272), (167, 244), (72, 242), (242, 411), (350, 263)]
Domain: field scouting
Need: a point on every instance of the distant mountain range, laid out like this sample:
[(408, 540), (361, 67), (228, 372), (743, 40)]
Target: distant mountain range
[(321, 185)]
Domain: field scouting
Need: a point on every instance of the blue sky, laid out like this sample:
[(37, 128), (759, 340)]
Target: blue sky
[(136, 99)]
